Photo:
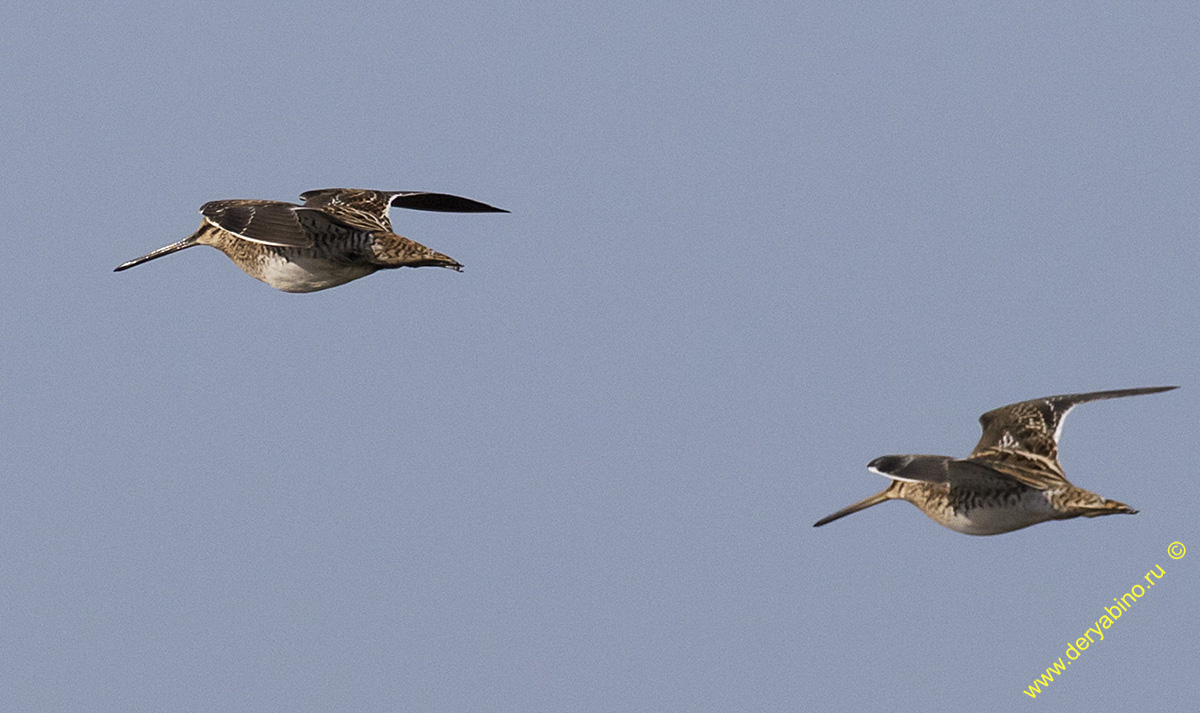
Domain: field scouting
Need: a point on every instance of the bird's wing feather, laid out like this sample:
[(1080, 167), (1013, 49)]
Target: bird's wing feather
[(1035, 426), (266, 222), (969, 473), (442, 202), (272, 222)]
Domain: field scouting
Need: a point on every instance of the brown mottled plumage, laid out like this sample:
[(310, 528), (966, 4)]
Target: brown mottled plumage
[(338, 235), (1011, 480)]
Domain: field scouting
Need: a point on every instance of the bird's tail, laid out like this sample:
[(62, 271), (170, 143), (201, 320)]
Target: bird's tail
[(393, 250), (1108, 507)]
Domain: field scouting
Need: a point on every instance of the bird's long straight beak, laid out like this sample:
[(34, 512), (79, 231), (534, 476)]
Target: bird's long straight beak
[(173, 247), (875, 499)]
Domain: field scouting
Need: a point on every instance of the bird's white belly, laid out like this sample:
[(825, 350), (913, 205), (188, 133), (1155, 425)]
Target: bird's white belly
[(308, 274)]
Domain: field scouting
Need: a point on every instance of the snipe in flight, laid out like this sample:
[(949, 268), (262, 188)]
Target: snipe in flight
[(1011, 480), (338, 235)]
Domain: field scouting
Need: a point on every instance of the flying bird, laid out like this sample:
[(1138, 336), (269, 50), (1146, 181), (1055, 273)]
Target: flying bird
[(1011, 480), (338, 235)]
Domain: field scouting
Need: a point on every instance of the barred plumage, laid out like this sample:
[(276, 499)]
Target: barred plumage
[(1012, 479), (338, 235)]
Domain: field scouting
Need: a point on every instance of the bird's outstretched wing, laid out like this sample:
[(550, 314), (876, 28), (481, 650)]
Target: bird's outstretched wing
[(1035, 426), (976, 475), (271, 222), (443, 202), (369, 209)]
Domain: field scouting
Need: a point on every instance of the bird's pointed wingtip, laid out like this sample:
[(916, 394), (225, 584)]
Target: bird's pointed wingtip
[(1158, 389)]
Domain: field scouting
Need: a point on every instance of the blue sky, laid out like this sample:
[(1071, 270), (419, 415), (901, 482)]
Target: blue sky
[(751, 248)]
